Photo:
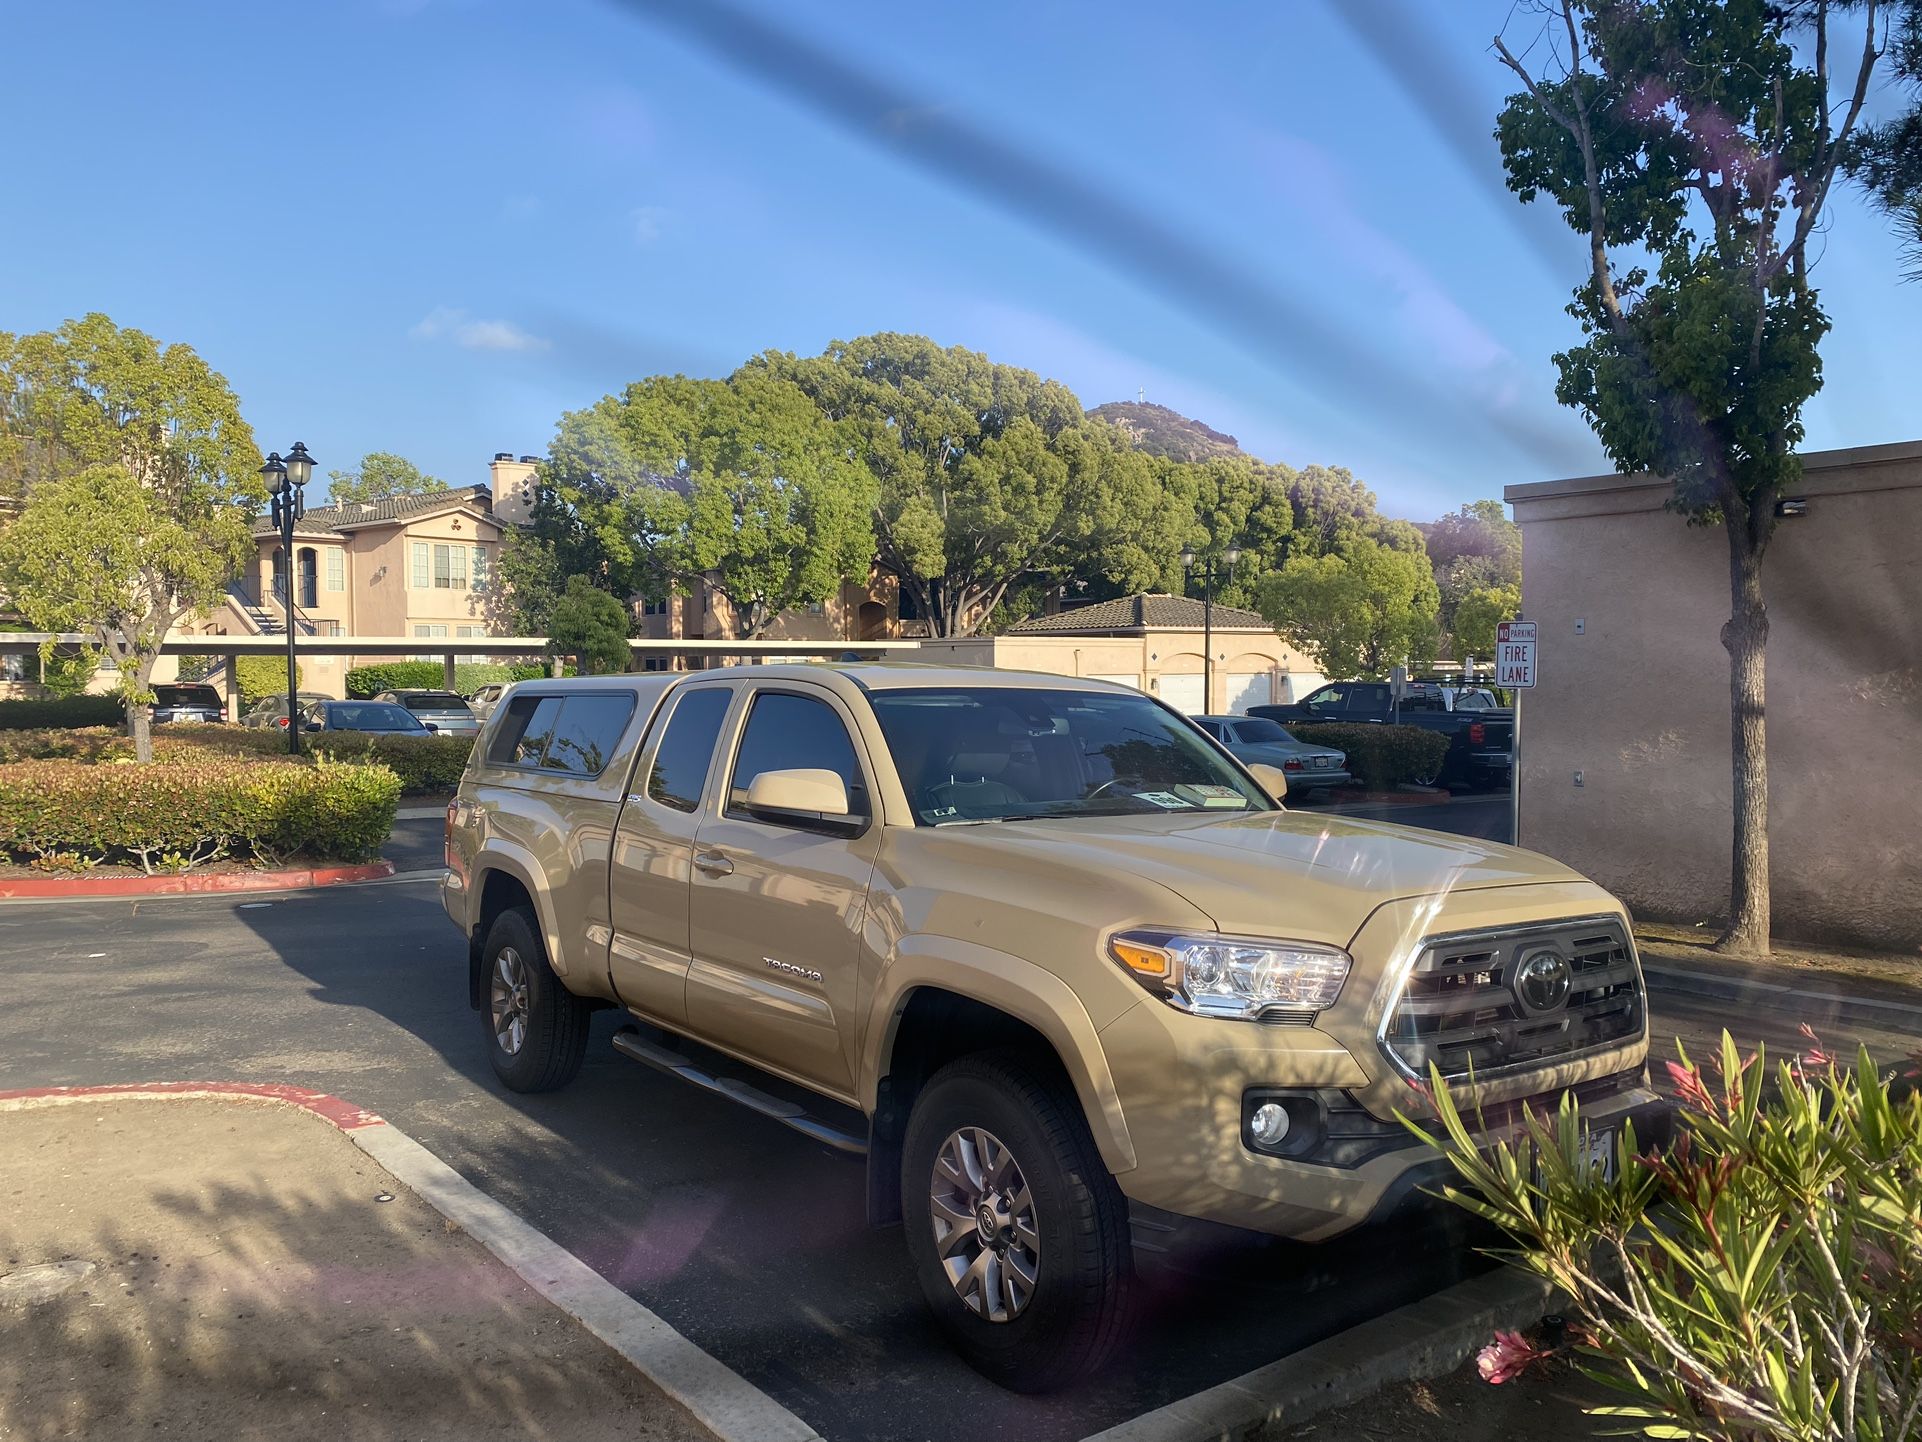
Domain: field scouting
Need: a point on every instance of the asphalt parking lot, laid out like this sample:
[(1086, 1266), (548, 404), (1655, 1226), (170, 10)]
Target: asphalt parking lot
[(743, 1235)]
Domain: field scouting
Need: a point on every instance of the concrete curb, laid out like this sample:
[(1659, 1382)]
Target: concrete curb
[(1800, 1002), (302, 878), (720, 1399), (1423, 1339)]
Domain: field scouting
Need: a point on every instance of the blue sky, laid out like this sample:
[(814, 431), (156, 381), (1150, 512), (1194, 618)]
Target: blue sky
[(430, 226)]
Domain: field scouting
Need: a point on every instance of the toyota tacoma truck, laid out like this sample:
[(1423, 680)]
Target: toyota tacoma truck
[(1037, 949)]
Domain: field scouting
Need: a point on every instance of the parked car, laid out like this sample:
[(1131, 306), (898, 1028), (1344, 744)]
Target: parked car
[(186, 701), (1480, 735), (443, 710), (1255, 740), (377, 716), (483, 701), (272, 710), (1050, 962)]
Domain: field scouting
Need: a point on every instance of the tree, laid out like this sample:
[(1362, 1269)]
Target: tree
[(1475, 549), (1357, 613), (1887, 158), (592, 627), (1691, 137), (1478, 615), (140, 481), (382, 474), (260, 677), (98, 552), (1236, 500), (528, 580)]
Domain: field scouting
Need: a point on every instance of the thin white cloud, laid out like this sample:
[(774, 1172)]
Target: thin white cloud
[(471, 333), (648, 221)]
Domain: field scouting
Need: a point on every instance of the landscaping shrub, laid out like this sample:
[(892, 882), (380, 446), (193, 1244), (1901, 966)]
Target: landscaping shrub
[(1380, 757), (469, 676), (260, 677), (173, 816), (63, 711), (1759, 1277), (423, 763)]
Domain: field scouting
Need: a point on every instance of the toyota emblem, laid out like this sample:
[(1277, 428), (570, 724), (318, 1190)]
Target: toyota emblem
[(1543, 981)]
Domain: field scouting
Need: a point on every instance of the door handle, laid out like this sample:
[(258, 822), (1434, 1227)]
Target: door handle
[(713, 863)]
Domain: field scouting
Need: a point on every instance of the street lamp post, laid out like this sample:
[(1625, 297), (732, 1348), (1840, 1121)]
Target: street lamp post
[(286, 481), (1209, 575)]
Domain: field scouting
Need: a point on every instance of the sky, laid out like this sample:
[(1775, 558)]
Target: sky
[(432, 226)]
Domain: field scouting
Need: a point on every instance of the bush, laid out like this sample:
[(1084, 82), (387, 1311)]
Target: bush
[(64, 711), (469, 676), (170, 817), (260, 677), (1759, 1277), (1380, 757), (423, 763)]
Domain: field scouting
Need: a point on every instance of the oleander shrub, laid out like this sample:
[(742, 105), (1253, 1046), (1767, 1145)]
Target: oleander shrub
[(188, 811), (1380, 757), (61, 711), (469, 676)]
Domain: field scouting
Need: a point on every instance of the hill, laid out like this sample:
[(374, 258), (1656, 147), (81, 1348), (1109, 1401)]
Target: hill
[(1163, 432)]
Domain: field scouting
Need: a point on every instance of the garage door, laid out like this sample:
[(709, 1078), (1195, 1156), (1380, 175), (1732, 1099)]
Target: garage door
[(1247, 688), (1185, 693), (1131, 678)]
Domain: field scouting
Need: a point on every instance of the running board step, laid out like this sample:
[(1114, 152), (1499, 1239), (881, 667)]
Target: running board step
[(632, 1043)]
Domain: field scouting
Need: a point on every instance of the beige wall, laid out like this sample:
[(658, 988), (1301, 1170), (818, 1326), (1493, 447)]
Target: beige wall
[(1638, 702), (1140, 660)]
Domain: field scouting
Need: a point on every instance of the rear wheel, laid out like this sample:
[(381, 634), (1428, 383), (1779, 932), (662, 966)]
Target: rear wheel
[(536, 1028), (1018, 1234)]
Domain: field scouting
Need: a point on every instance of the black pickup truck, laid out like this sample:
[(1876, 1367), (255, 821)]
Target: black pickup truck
[(1480, 734)]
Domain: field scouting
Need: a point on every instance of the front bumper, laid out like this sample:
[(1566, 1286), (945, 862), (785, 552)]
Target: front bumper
[(1316, 780)]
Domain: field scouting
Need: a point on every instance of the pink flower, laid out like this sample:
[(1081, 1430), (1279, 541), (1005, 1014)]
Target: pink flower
[(1507, 1357), (1815, 1056), (1688, 1086)]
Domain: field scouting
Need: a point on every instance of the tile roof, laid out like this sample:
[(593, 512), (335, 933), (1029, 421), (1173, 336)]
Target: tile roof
[(1149, 611), (336, 520)]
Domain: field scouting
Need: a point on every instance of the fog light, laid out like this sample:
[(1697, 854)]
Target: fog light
[(1269, 1124)]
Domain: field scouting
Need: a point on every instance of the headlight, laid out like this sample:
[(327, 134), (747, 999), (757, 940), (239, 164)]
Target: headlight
[(1234, 976)]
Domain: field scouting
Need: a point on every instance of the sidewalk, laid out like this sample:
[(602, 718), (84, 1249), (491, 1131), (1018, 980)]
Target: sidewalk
[(1816, 984), (192, 1269)]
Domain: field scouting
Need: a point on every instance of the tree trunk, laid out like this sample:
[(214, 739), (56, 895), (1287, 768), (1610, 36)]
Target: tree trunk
[(139, 714), (1745, 637)]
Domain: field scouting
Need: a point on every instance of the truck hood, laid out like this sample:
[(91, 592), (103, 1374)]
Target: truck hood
[(1281, 873)]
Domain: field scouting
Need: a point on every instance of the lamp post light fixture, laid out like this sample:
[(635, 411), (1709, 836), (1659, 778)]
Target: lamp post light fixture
[(1210, 574), (286, 481)]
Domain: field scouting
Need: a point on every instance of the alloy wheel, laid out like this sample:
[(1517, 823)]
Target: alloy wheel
[(508, 1001), (985, 1231)]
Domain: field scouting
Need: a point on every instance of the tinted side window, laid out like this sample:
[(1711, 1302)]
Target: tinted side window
[(786, 732), (587, 732), (687, 748), (1370, 698), (522, 737)]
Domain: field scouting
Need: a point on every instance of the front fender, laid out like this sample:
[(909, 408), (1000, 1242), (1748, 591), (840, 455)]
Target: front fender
[(1022, 990)]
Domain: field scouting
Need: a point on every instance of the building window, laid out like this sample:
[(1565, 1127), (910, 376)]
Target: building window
[(327, 628), (480, 569), (450, 567), (471, 631), (654, 608), (336, 569), (907, 608), (431, 632), (423, 577)]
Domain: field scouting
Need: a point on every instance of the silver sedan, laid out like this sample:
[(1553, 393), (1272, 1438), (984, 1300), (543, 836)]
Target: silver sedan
[(1253, 739)]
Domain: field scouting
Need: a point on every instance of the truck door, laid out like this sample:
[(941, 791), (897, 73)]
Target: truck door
[(777, 902), (653, 852)]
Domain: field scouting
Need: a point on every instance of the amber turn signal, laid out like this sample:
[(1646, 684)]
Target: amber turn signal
[(1150, 961)]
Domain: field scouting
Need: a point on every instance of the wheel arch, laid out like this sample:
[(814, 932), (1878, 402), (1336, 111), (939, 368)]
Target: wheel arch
[(503, 879)]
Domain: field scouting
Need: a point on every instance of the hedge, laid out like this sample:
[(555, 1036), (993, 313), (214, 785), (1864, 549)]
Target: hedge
[(1380, 757), (65, 711), (469, 676), (172, 817), (423, 763), (262, 676)]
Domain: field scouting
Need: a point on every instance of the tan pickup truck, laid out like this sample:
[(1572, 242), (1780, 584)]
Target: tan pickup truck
[(1038, 949)]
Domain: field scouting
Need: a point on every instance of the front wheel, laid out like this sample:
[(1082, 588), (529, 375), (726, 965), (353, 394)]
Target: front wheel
[(536, 1028), (1018, 1233)]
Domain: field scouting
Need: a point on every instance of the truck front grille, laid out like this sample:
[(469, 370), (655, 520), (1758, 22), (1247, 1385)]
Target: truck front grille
[(1512, 1000)]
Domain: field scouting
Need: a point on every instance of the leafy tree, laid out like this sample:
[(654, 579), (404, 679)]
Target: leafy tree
[(1235, 500), (592, 627), (1477, 616), (382, 474), (1359, 612), (260, 678), (67, 670), (1330, 507), (139, 480), (1475, 549), (528, 581), (1693, 138), (1887, 158)]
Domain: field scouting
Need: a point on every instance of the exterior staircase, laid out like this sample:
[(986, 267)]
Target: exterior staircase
[(267, 619)]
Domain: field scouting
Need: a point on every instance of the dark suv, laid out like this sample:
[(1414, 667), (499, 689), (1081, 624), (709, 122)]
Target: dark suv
[(186, 701)]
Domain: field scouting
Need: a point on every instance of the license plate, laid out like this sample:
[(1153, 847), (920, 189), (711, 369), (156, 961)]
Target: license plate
[(1598, 1153), (1324, 762)]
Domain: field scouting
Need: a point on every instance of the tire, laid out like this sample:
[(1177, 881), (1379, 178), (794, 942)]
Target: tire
[(545, 1050), (1078, 1281)]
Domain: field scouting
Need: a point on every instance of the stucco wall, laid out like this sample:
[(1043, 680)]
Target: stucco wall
[(1638, 702), (1141, 660)]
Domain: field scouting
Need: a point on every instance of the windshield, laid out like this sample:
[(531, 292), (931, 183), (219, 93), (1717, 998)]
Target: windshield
[(1002, 753), (185, 696), (433, 701), (1259, 730)]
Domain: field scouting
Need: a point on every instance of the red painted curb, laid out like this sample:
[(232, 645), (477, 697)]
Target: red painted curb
[(24, 888), (344, 1115), (1393, 798)]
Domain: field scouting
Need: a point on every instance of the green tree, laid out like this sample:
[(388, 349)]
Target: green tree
[(67, 670), (381, 475), (1477, 616), (1357, 613), (1474, 549), (1330, 508), (1694, 148), (1236, 500), (1887, 158), (592, 627), (261, 677), (528, 580), (139, 482)]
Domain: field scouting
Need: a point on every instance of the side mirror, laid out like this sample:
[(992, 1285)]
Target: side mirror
[(804, 789), (1273, 780), (313, 726), (431, 727)]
